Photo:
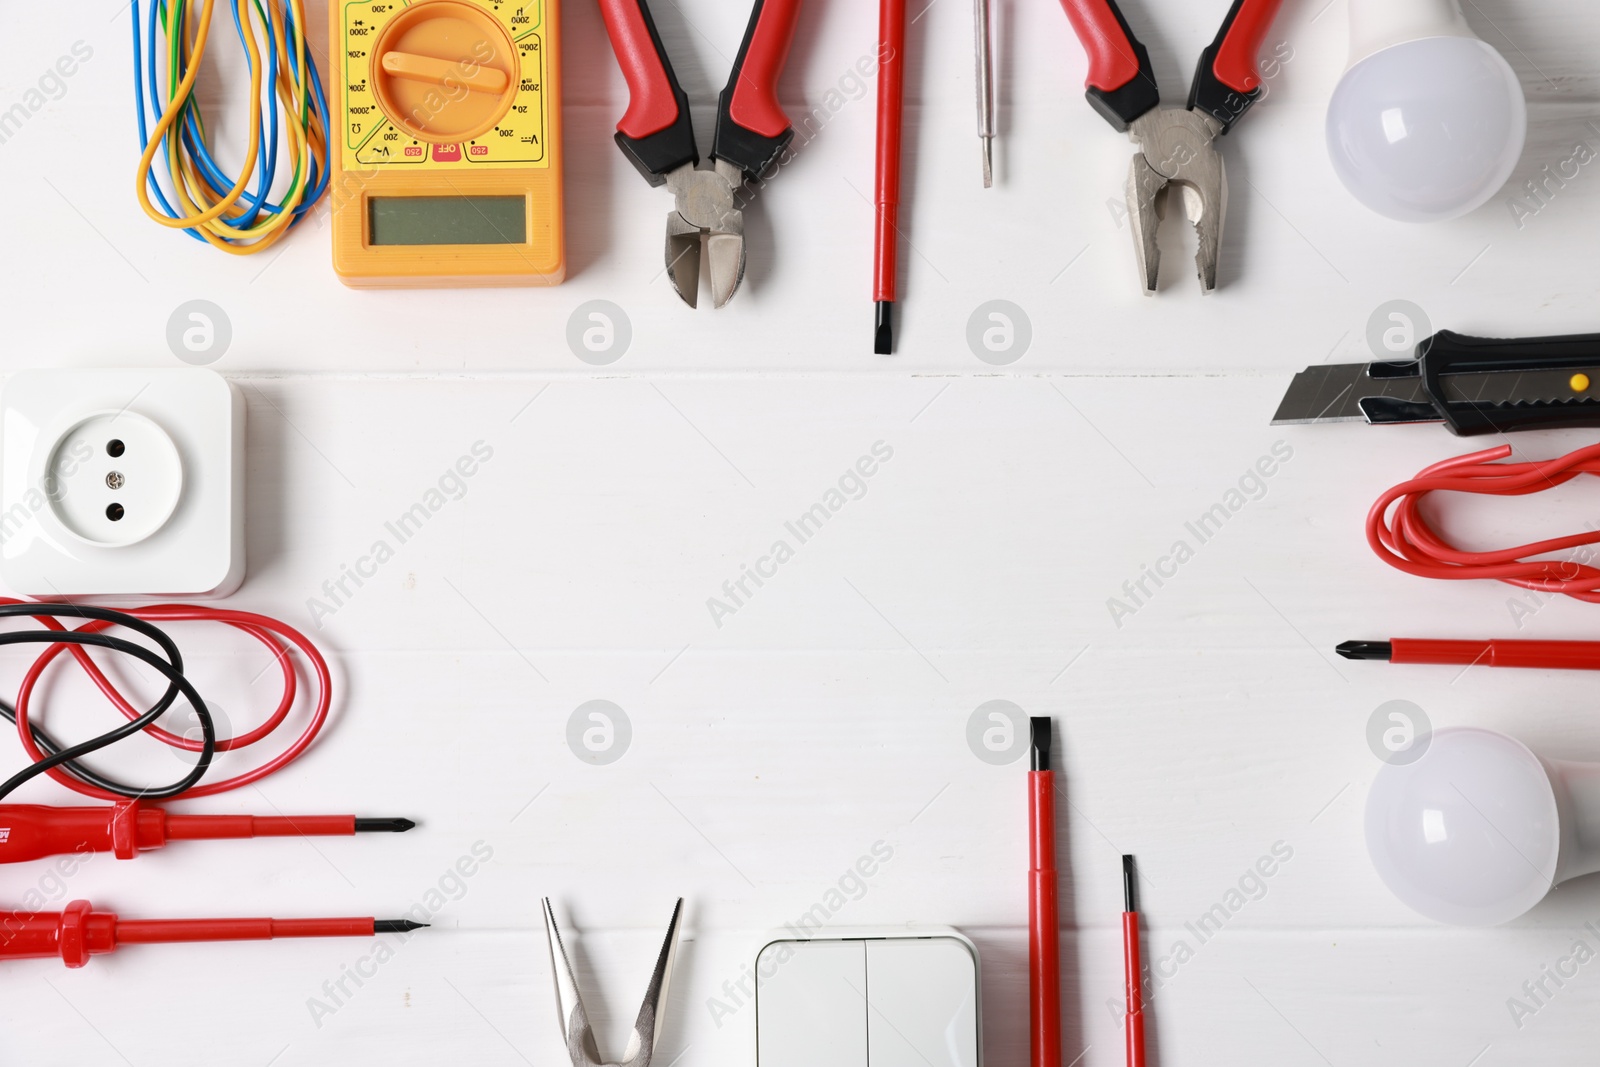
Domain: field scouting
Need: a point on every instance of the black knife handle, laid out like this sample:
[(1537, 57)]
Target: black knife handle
[(1447, 353)]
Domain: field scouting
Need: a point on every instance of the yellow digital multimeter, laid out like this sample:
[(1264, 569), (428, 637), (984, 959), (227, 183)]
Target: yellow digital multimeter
[(447, 169)]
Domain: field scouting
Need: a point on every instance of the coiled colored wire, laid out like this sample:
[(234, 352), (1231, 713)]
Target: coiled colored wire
[(1402, 537), (61, 762), (286, 98)]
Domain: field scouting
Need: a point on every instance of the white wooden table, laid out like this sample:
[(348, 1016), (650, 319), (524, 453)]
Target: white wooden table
[(829, 712)]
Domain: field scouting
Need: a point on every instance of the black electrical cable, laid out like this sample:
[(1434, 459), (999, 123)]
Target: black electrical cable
[(171, 668), (50, 746)]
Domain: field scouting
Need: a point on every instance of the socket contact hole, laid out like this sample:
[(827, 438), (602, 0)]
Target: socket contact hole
[(114, 512), (115, 448)]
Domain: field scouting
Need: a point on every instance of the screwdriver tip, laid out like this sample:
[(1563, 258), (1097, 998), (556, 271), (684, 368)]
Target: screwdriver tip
[(1039, 730), (883, 336), (988, 163), (396, 926), (384, 826), (1366, 650), (1130, 901)]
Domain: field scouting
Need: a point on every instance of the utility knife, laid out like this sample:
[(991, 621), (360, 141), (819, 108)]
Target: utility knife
[(1474, 385)]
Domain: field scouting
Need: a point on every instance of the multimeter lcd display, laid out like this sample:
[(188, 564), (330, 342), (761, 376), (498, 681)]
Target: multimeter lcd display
[(447, 220)]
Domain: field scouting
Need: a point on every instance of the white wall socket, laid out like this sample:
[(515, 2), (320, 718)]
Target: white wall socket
[(121, 483)]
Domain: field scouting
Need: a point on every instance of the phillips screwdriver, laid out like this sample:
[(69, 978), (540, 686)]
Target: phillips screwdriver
[(1536, 655), (33, 831), (78, 931)]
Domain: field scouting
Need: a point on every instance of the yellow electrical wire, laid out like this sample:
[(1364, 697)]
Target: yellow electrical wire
[(228, 215)]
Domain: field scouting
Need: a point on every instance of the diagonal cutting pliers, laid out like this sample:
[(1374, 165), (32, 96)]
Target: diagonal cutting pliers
[(657, 134), (1177, 146)]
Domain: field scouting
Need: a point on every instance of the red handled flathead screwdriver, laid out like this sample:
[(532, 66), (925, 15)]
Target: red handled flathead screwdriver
[(886, 229), (1132, 968), (1044, 927), (33, 831), (78, 931)]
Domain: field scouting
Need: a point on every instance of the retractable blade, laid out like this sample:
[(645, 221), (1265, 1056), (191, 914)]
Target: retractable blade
[(1348, 392), (1473, 385)]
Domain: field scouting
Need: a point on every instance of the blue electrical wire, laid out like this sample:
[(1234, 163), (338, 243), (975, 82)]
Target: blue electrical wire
[(191, 131)]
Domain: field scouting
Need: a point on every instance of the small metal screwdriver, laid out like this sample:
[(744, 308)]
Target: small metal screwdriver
[(985, 90)]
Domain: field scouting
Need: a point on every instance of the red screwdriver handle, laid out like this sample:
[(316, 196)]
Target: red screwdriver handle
[(656, 132), (752, 128), (1228, 80), (1121, 83)]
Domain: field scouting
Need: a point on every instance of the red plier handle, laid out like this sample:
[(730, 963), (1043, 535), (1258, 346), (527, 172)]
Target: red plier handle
[(1227, 81), (752, 128), (657, 132), (1122, 85)]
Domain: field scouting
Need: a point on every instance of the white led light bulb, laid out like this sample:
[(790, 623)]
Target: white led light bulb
[(1479, 829), (1428, 121)]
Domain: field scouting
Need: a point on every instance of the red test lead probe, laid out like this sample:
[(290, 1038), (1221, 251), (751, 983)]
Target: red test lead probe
[(33, 831), (1132, 967), (1044, 931), (79, 931)]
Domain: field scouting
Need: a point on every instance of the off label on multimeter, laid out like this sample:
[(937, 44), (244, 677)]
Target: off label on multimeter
[(449, 157)]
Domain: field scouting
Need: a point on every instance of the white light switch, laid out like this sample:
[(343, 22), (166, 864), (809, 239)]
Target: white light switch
[(869, 999)]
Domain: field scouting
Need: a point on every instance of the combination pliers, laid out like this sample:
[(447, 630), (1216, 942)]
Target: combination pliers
[(1177, 146)]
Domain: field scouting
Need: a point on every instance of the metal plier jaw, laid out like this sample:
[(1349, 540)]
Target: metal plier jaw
[(707, 215), (1177, 148), (575, 1028)]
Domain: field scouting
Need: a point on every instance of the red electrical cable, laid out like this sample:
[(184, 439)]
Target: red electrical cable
[(277, 636), (1403, 538)]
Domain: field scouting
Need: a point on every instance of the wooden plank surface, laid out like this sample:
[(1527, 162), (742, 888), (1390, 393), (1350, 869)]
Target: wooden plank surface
[(778, 735)]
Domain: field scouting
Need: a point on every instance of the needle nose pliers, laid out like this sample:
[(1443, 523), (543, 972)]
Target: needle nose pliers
[(1177, 146), (657, 134), (575, 1028)]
